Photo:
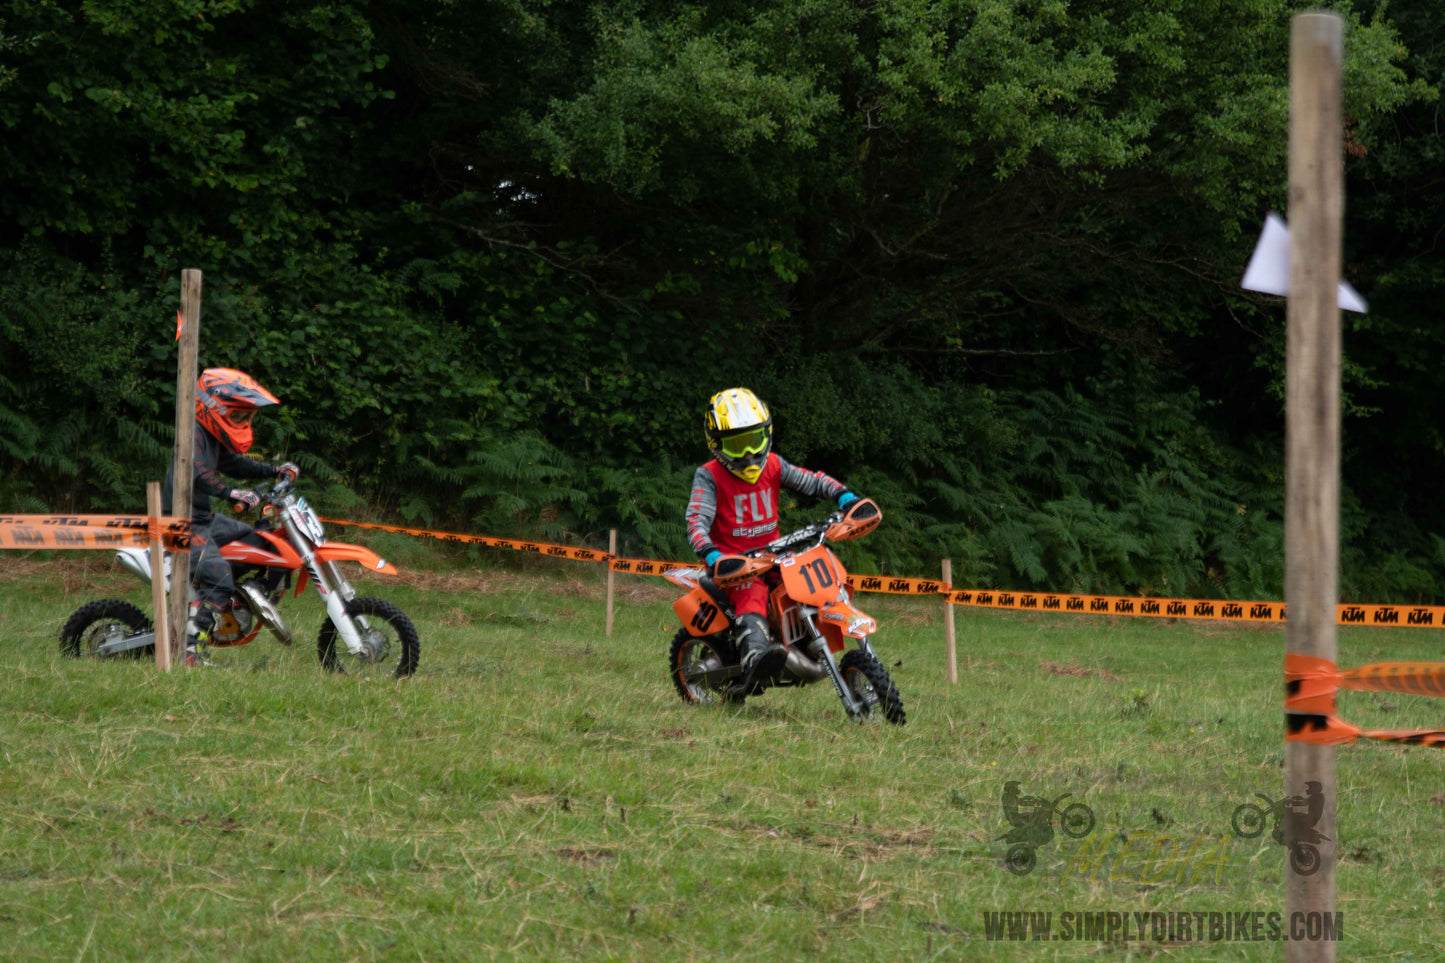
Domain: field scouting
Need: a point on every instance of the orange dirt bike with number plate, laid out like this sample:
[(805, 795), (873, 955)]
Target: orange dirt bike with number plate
[(810, 611), (364, 634)]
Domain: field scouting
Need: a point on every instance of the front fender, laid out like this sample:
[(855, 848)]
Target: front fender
[(346, 552), (848, 620)]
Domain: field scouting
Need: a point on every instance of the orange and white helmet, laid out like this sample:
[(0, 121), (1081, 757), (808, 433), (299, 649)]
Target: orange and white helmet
[(226, 400), (739, 432)]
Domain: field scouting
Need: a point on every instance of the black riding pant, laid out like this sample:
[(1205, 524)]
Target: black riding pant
[(210, 573)]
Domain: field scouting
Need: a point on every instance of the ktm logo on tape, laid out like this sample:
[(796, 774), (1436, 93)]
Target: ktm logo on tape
[(1383, 615)]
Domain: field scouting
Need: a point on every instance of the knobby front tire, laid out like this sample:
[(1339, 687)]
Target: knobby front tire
[(866, 677), (386, 622)]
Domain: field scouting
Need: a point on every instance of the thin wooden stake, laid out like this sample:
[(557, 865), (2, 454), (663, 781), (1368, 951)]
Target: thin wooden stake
[(611, 576), (158, 576), (949, 646), (182, 481), (1312, 423)]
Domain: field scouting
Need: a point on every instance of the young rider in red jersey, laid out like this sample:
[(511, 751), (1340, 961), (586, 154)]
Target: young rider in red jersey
[(734, 508), (226, 401)]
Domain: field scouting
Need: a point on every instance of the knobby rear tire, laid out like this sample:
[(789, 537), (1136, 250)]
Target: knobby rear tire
[(687, 650), (86, 629)]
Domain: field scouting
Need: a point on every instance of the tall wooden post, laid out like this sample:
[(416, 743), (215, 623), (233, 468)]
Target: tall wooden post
[(950, 649), (158, 576), (1312, 418), (611, 576), (185, 462)]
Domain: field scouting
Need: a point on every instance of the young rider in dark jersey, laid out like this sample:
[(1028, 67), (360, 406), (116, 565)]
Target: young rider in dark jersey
[(734, 508), (226, 401)]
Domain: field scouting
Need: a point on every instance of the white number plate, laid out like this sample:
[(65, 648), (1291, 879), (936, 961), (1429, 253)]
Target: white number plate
[(309, 521)]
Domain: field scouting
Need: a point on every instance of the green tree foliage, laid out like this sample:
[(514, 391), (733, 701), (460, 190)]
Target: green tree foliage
[(982, 256)]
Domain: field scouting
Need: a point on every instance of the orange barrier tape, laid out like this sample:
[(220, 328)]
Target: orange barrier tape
[(1309, 702), (897, 586), (521, 545), (646, 566), (1123, 605), (1422, 616), (1319, 730), (1310, 683), (1412, 678), (91, 531)]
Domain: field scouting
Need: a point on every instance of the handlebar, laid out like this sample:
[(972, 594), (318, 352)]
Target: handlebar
[(269, 492), (808, 533)]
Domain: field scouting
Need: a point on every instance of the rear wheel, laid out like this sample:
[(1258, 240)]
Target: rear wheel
[(1248, 820), (871, 687), (700, 665), (106, 620), (386, 635)]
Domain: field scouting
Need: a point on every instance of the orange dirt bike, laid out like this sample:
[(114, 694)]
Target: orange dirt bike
[(288, 539), (810, 612)]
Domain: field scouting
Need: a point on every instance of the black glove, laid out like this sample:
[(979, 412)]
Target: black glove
[(244, 496)]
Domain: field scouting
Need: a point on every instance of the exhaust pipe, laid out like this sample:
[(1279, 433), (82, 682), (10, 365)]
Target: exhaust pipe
[(138, 562), (803, 667)]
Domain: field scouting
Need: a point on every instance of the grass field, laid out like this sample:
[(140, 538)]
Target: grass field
[(538, 791)]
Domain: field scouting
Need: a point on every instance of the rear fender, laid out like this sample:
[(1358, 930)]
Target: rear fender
[(684, 578)]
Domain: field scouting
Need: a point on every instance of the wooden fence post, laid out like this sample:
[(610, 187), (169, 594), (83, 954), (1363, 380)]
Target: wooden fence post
[(949, 646), (182, 480), (611, 576), (1312, 421), (158, 576)]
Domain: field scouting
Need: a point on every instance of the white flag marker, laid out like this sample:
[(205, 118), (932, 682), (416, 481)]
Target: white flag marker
[(1268, 269)]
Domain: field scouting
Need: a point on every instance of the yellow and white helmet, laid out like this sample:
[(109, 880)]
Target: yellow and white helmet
[(739, 432)]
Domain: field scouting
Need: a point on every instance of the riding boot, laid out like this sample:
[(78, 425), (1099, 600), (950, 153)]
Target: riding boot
[(761, 656), (198, 634)]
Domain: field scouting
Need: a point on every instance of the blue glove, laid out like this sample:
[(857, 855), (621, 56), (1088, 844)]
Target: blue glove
[(846, 499), (711, 558)]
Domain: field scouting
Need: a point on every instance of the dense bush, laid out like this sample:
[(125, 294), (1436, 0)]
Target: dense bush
[(982, 259)]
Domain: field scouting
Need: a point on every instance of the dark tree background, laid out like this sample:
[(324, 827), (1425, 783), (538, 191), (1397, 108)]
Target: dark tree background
[(981, 256)]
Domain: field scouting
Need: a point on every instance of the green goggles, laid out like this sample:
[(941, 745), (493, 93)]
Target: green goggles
[(745, 443)]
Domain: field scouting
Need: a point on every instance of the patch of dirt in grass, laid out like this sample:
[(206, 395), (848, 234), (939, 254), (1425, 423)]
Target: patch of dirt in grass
[(628, 588), (856, 840), (913, 619), (865, 903), (473, 581), (90, 574), (1217, 627), (587, 857), (1078, 671)]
